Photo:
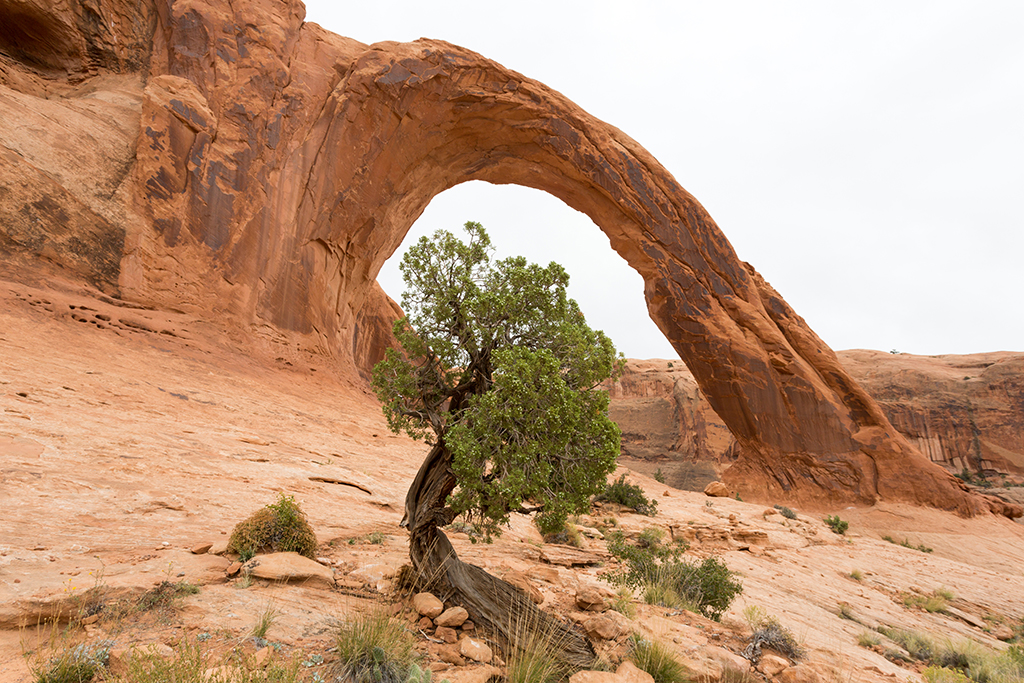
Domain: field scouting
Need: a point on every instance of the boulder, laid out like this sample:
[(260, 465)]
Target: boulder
[(590, 599), (475, 649), (453, 617), (717, 489), (427, 605), (771, 665), (290, 568)]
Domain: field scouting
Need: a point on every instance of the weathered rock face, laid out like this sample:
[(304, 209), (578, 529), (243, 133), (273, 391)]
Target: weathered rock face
[(960, 411), (275, 167)]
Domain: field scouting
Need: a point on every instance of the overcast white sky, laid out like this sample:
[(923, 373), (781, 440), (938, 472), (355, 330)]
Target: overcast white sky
[(867, 158)]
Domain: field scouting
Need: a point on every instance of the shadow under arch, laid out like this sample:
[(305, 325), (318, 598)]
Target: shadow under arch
[(415, 119)]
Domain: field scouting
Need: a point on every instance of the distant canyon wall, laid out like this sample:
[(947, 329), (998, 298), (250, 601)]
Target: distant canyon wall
[(962, 411)]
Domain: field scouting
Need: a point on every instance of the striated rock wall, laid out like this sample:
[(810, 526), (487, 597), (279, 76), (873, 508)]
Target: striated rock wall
[(960, 411), (229, 160)]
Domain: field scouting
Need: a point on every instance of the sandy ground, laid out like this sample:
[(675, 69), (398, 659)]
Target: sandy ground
[(129, 436)]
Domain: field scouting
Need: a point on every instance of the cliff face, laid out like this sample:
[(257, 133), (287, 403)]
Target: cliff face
[(963, 412), (229, 160)]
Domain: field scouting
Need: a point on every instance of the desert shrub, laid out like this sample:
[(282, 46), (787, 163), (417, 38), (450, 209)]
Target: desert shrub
[(785, 512), (917, 644), (845, 611), (754, 616), (374, 649), (78, 664), (659, 476), (531, 657), (770, 633), (837, 525), (856, 575), (278, 527), (623, 602), (629, 495), (657, 660), (868, 639), (938, 601), (708, 587), (557, 529), (651, 536), (936, 674), (907, 544)]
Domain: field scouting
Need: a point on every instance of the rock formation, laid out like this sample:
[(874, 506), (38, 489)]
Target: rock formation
[(962, 412), (231, 160)]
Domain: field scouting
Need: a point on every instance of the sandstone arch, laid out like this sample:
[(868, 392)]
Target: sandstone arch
[(276, 166)]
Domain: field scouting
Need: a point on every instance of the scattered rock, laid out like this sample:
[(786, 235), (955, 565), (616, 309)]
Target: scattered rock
[(450, 654), (262, 656), (447, 634), (476, 674), (219, 548), (569, 557), (717, 489), (425, 623), (798, 674), (629, 673), (771, 665), (590, 600), (201, 548), (427, 605), (477, 650), (468, 626), (1003, 633), (603, 627), (452, 617), (119, 658)]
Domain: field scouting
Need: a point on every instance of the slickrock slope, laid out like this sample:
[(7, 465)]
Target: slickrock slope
[(130, 436), (228, 160), (964, 412)]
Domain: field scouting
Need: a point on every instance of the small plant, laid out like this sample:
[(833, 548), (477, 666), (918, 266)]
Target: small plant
[(658, 476), (375, 538), (938, 674), (78, 664), (557, 529), (190, 665), (623, 602), (264, 620), (845, 611), (785, 512), (938, 601), (657, 660), (770, 633), (531, 658), (754, 616), (869, 640), (374, 649), (650, 536), (278, 527), (629, 495), (837, 525), (856, 575), (917, 644)]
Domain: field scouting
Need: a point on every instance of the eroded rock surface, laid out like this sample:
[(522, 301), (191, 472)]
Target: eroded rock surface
[(253, 167)]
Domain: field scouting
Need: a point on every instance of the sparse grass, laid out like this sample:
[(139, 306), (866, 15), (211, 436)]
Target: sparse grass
[(938, 601), (657, 660), (375, 538), (869, 639), (659, 476), (856, 575), (278, 527), (918, 645), (374, 649), (785, 512), (629, 495), (264, 620), (623, 602), (754, 616), (845, 611), (838, 526), (531, 657), (190, 664), (559, 530), (907, 544)]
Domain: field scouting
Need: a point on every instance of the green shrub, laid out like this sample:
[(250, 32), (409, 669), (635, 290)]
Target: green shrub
[(659, 570), (837, 525), (656, 659), (869, 640), (785, 512), (907, 544), (659, 476), (629, 495), (557, 529), (190, 664), (936, 674), (917, 644), (856, 575), (278, 527), (78, 664), (165, 594), (374, 649)]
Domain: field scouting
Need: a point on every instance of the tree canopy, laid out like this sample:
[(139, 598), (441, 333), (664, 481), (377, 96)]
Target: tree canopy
[(499, 367)]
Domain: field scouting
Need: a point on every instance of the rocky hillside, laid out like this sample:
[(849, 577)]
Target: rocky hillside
[(132, 441), (963, 412)]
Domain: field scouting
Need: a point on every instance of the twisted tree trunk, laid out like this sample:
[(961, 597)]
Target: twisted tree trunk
[(497, 606)]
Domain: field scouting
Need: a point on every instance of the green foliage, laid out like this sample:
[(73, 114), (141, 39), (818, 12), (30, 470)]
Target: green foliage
[(772, 634), (785, 512), (659, 570), (938, 601), (938, 674), (868, 639), (917, 644), (657, 660), (531, 658), (556, 529), (499, 365), (374, 649), (659, 476), (857, 575), (837, 525), (629, 495), (278, 527)]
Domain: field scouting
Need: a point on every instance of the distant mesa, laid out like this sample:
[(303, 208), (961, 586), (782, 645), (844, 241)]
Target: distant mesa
[(230, 160)]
